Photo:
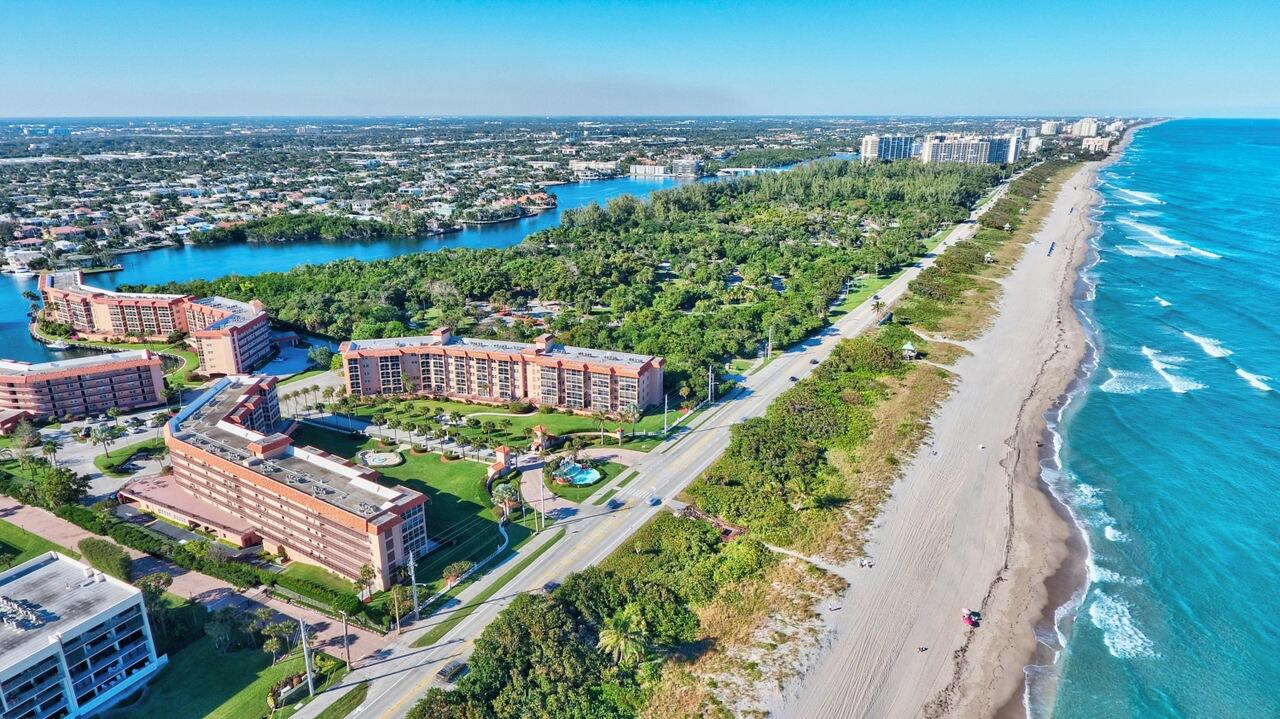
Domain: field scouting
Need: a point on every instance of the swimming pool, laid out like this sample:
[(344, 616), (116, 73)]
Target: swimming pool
[(578, 474)]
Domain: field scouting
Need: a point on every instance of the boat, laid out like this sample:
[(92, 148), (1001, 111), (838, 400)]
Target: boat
[(58, 345)]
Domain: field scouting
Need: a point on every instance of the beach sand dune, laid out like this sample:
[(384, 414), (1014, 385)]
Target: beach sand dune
[(968, 525)]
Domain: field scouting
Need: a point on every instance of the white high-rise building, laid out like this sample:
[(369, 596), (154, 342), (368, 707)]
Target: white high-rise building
[(886, 148), (73, 641), (1086, 127), (1034, 144), (1115, 126), (967, 149), (1049, 127)]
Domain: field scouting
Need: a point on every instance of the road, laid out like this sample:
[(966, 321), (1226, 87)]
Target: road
[(401, 673)]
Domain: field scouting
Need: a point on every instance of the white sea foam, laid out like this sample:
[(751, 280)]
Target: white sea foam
[(1114, 535), (1139, 251), (1162, 301), (1162, 364), (1119, 632), (1122, 382), (1165, 244), (1257, 381), (1099, 574), (1211, 347), (1139, 198)]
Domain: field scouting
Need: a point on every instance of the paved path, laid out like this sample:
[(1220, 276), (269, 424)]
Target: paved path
[(213, 593), (595, 532)]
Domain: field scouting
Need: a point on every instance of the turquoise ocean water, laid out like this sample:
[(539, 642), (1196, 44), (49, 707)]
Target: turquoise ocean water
[(1170, 453)]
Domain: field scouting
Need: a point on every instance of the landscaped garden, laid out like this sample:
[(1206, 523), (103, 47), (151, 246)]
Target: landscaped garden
[(579, 492), (495, 425), (460, 514), (112, 465)]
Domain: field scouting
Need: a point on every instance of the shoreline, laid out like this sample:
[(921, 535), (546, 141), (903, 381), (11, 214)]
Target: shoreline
[(971, 527)]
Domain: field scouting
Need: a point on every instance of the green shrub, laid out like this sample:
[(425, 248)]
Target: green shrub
[(108, 557)]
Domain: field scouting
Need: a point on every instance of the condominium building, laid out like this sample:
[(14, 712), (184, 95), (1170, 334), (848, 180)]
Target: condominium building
[(1096, 144), (230, 336), (480, 370), (1050, 127), (1085, 127), (970, 149), (687, 166), (886, 148), (647, 170), (83, 385), (1034, 144), (73, 641), (99, 314), (236, 475)]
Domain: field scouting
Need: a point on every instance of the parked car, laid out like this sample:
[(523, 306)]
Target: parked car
[(550, 586)]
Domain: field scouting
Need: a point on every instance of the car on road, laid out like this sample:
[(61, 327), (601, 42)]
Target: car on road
[(813, 361), (452, 670), (551, 586), (793, 378)]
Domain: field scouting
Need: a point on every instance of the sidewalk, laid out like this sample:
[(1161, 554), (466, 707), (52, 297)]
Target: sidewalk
[(213, 593)]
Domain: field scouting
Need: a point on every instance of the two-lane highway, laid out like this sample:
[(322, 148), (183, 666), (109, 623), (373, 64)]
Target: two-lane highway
[(403, 673)]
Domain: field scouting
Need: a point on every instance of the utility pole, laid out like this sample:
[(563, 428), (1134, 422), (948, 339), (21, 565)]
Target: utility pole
[(346, 645), (413, 582), (769, 351), (306, 659), (664, 414), (711, 384), (542, 504)]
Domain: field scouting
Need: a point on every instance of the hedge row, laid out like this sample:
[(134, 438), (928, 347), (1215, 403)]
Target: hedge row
[(108, 557)]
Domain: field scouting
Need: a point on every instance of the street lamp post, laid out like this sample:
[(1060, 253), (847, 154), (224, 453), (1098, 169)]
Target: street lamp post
[(306, 659), (346, 644)]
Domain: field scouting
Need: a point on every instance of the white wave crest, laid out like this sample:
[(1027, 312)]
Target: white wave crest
[(1122, 382), (1211, 347), (1162, 364), (1257, 381), (1114, 535), (1162, 301), (1119, 632), (1165, 244), (1140, 251), (1099, 574), (1138, 198)]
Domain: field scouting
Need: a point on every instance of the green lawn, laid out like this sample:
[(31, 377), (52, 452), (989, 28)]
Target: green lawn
[(320, 576), (181, 373), (301, 376), (459, 515), (442, 628), (420, 411), (200, 681), (23, 545), (346, 703), (608, 470), (864, 289), (120, 455)]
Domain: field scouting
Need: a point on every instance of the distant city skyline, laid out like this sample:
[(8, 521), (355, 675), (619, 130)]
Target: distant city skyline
[(999, 57)]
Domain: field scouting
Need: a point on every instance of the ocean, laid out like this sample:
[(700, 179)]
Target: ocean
[(1169, 454)]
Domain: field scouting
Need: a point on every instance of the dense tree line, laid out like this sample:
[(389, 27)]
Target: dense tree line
[(590, 649), (689, 275), (292, 228)]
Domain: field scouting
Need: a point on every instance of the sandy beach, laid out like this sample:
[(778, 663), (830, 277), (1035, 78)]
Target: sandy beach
[(969, 525)]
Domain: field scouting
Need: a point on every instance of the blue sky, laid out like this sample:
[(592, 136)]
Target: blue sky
[(223, 57)]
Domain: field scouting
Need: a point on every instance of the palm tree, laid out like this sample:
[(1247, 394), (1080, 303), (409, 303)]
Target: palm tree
[(599, 417), (623, 637), (630, 413), (49, 448), (878, 307), (505, 495), (98, 435), (114, 414)]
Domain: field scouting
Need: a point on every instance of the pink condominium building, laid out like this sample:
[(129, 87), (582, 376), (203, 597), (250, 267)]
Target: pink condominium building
[(82, 386), (230, 336), (482, 370)]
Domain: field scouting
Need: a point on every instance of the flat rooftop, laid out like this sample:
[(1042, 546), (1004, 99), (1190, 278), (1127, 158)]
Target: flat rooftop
[(238, 312), (13, 367), (328, 479), (48, 595), (576, 354), (73, 281)]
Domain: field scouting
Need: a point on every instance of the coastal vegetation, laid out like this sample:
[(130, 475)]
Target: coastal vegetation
[(293, 228), (698, 274)]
